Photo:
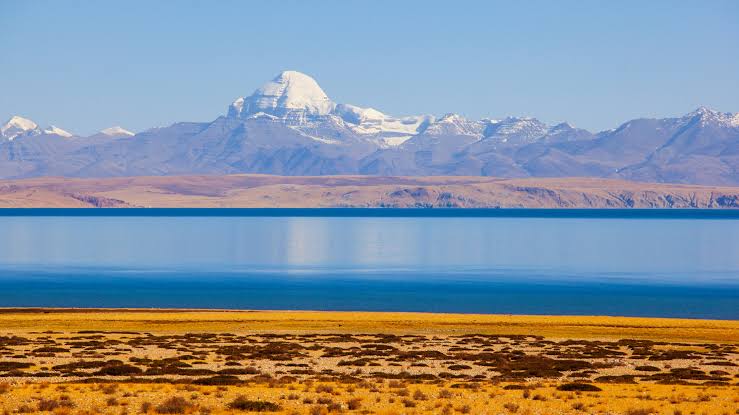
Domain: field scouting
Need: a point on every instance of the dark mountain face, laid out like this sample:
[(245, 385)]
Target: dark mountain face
[(290, 127)]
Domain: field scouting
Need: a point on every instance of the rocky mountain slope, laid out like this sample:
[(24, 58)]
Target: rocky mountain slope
[(290, 126)]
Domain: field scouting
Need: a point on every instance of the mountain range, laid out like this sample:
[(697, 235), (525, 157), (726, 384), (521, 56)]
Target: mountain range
[(289, 126)]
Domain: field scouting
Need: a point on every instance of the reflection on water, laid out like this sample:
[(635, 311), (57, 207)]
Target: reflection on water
[(565, 244), (523, 265)]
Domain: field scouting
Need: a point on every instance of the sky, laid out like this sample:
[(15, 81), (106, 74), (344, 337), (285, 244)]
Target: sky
[(88, 65)]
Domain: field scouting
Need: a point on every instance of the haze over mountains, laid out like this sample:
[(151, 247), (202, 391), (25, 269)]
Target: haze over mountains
[(290, 126)]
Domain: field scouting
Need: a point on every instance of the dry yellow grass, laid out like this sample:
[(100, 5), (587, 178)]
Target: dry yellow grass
[(376, 397), (558, 327), (363, 393)]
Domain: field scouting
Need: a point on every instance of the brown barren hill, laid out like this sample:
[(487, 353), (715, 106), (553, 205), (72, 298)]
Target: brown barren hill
[(359, 191)]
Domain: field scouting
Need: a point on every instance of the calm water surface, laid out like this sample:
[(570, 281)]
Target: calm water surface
[(649, 267)]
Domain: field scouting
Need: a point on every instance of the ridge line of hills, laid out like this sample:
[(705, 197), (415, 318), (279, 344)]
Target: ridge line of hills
[(251, 190), (290, 126)]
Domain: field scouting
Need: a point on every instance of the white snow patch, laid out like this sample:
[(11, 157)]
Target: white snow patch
[(316, 138), (290, 94), (57, 131), (455, 124), (21, 123), (369, 121), (116, 131), (707, 115), (17, 126)]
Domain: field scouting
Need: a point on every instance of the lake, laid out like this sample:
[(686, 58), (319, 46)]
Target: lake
[(659, 263)]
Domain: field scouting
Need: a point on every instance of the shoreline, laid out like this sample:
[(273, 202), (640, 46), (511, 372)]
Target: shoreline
[(657, 213), (298, 321)]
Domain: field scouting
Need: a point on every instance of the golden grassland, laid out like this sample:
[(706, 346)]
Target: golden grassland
[(582, 327), (381, 397), (304, 362)]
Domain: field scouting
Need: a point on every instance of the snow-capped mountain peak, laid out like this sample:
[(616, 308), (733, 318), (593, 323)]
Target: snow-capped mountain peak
[(358, 115), (297, 99), (394, 130), (291, 95), (116, 131), (453, 125), (289, 126), (17, 126), (236, 107), (516, 130), (706, 115), (54, 130), (20, 122)]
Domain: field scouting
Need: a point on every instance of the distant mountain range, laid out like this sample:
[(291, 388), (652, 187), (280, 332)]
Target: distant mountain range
[(290, 126)]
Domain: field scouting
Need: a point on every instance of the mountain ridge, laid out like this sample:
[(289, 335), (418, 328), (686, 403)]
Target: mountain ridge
[(290, 126), (250, 190)]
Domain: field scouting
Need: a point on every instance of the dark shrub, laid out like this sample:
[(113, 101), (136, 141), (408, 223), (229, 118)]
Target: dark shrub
[(419, 396), (47, 405), (511, 407), (409, 403), (354, 404), (218, 380), (14, 365), (514, 387), (582, 387), (52, 404), (445, 394), (241, 403), (146, 407), (90, 364), (119, 370), (240, 371), (647, 368), (173, 405), (616, 379)]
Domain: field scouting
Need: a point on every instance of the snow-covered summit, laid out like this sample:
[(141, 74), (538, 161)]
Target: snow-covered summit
[(290, 94), (18, 126), (21, 123), (516, 130), (373, 122), (54, 130), (454, 124), (297, 99), (116, 131), (358, 115), (706, 115)]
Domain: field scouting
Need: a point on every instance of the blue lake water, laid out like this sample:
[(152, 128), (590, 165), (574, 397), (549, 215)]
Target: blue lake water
[(613, 263)]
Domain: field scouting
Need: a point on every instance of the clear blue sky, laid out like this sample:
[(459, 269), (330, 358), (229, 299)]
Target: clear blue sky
[(86, 65)]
